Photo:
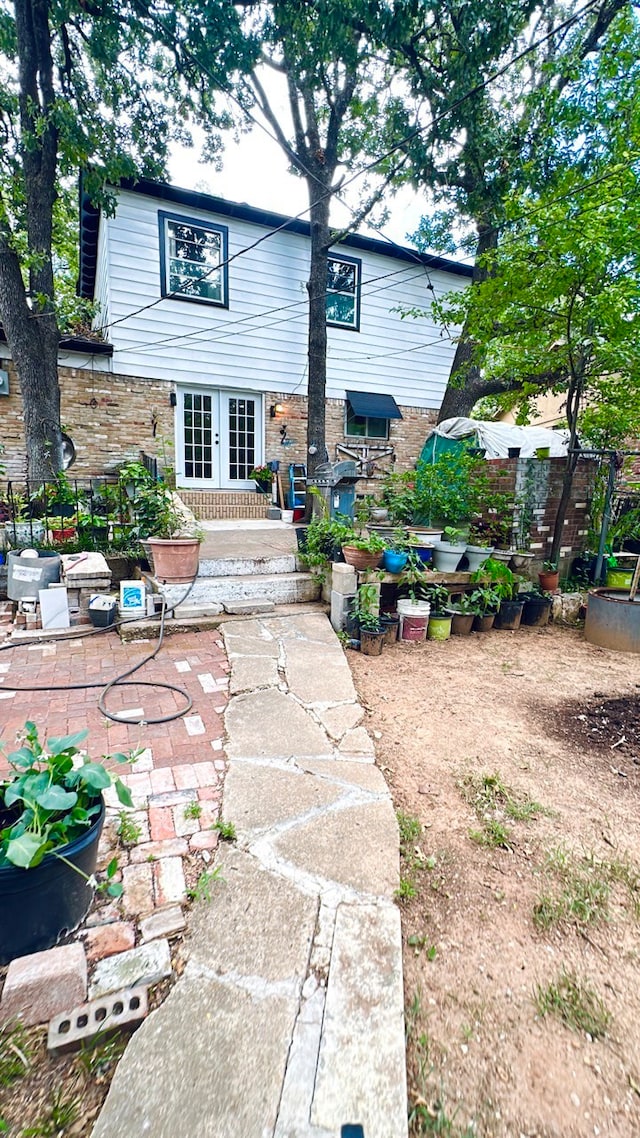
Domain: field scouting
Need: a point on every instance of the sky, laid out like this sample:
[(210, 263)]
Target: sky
[(255, 171)]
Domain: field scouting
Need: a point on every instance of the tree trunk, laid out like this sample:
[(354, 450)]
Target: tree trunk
[(30, 326), (317, 341)]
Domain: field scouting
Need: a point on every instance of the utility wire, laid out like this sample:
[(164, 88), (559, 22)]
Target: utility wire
[(368, 167)]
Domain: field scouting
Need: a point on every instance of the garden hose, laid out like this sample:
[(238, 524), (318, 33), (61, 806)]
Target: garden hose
[(120, 680)]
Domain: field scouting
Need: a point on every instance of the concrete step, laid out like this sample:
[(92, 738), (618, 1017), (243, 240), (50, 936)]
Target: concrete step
[(281, 588), (247, 566)]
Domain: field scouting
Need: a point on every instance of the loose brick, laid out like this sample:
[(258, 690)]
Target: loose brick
[(106, 940), (161, 825), (163, 923), (43, 984), (137, 896), (185, 777), (205, 840), (152, 851), (168, 876), (146, 964), (162, 780), (121, 1011), (172, 798)]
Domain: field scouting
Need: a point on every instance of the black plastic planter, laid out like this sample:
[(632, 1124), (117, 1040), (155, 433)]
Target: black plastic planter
[(536, 611), (38, 907), (509, 615)]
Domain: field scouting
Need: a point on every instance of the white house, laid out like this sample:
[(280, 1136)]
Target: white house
[(203, 310)]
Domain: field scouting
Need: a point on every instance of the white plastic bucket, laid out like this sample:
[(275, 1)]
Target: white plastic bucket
[(287, 515), (407, 607)]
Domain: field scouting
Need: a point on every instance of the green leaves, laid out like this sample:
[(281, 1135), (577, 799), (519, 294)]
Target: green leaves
[(23, 851)]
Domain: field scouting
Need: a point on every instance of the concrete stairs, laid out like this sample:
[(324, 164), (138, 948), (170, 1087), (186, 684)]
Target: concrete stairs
[(209, 505), (228, 581)]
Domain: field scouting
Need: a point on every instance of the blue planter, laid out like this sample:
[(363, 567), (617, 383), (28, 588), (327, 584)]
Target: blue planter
[(425, 552), (394, 562)]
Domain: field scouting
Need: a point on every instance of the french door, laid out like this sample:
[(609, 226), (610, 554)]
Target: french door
[(219, 438)]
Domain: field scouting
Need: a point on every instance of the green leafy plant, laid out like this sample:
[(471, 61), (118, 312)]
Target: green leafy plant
[(414, 580), (365, 607), (201, 891), (498, 577), (128, 830), (262, 474), (484, 600), (438, 596), (15, 1054), (52, 796), (324, 535), (193, 810), (63, 1111), (226, 830), (550, 566)]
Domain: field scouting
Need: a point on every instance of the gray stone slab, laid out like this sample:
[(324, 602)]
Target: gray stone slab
[(208, 1063), (318, 675), (257, 924), (312, 626), (338, 720), (361, 1071), (356, 847), (269, 724), (367, 776), (146, 964), (248, 606), (250, 672), (357, 742), (239, 646), (258, 797)]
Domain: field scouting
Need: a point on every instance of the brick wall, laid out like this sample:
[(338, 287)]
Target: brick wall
[(110, 418), (539, 484), (406, 437)]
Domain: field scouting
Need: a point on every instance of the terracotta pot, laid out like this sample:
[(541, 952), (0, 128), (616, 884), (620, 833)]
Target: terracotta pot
[(175, 561), (360, 559), (549, 581)]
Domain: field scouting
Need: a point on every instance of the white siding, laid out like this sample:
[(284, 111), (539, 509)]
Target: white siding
[(260, 341)]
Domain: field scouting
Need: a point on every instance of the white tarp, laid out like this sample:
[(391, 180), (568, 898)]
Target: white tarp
[(496, 438)]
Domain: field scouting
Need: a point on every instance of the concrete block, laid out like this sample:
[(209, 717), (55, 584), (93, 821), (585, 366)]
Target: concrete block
[(121, 1011), (43, 984), (339, 608), (147, 964), (344, 579), (212, 608)]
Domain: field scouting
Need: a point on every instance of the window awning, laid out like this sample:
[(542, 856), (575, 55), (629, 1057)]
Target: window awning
[(372, 406)]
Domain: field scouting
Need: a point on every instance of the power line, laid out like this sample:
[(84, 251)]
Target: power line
[(476, 89)]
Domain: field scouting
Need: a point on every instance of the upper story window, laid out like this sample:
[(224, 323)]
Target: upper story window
[(193, 257), (343, 292)]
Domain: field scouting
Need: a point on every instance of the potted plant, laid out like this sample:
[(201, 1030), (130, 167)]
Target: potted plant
[(396, 552), (549, 576), (485, 603), (324, 537), (506, 585), (439, 627), (448, 553), (537, 608), (462, 615), (163, 522), (477, 551), (363, 552), (365, 611), (51, 817), (263, 478)]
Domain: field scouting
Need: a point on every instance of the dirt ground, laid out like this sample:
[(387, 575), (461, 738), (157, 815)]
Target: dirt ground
[(557, 721)]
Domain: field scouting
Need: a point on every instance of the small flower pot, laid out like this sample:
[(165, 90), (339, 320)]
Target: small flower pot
[(477, 555), (461, 623), (439, 627), (447, 557), (484, 623), (391, 625), (371, 642), (393, 561), (509, 615), (536, 611), (549, 581)]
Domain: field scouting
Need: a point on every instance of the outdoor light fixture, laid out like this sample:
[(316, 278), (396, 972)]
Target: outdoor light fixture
[(276, 409), (173, 399)]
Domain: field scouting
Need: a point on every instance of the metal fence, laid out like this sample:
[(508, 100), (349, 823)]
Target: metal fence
[(82, 513)]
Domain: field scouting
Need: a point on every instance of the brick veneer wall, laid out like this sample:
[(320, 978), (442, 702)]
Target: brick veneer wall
[(110, 418), (546, 487), (406, 437)]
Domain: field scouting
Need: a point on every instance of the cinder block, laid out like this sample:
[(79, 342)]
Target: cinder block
[(120, 1011), (339, 610), (344, 579), (39, 986)]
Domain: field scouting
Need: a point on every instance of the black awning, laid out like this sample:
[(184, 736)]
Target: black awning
[(372, 406)]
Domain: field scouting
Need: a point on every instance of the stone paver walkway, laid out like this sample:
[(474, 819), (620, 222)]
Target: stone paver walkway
[(288, 1020)]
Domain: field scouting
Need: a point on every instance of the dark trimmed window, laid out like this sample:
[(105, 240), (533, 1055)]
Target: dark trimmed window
[(343, 292), (365, 426), (193, 256)]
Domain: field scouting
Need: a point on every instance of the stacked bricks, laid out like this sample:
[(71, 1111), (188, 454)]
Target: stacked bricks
[(84, 576), (549, 473)]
